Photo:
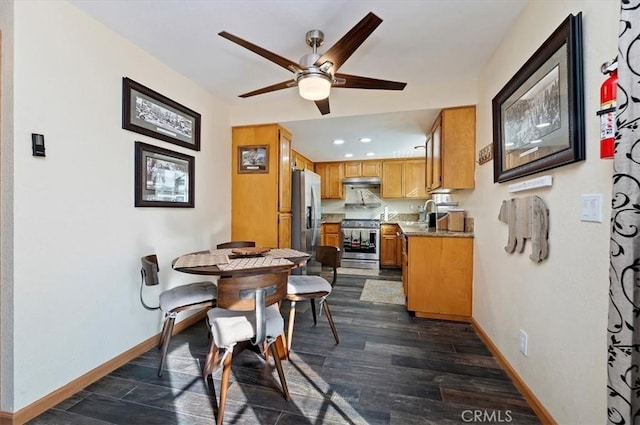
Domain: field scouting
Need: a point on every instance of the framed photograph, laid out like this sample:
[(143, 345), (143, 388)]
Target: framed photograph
[(163, 178), (253, 159), (538, 117), (152, 114)]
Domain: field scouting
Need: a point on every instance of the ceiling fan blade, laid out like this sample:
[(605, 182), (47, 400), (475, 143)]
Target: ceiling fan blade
[(357, 82), (277, 59), (344, 48), (279, 86), (323, 106)]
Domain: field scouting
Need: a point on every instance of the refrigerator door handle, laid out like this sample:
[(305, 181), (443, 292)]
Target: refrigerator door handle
[(312, 222)]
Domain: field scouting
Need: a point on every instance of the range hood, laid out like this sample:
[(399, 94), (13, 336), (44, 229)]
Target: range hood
[(362, 192), (362, 181)]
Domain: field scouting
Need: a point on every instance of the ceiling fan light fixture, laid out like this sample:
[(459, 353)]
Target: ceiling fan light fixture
[(314, 86)]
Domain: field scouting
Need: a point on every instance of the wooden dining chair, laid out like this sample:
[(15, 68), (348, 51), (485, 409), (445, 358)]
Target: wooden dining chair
[(312, 287), (247, 311), (196, 295), (236, 244)]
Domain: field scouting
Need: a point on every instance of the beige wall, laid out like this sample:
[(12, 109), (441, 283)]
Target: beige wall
[(70, 274), (561, 303), (73, 216)]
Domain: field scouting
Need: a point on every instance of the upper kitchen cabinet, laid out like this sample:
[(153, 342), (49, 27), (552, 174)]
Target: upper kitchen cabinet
[(261, 198), (331, 175), (300, 162), (450, 156), (403, 179), (362, 168)]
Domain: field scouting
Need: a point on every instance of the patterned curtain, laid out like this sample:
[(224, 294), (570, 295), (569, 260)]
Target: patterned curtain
[(624, 271)]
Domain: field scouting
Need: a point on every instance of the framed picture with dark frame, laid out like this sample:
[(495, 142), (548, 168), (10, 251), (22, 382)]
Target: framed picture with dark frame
[(163, 178), (148, 112), (538, 117), (253, 159)]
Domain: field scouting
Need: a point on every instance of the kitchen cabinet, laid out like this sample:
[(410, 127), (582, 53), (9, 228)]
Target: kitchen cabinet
[(284, 171), (331, 235), (414, 179), (331, 175), (404, 264), (353, 169), (284, 230), (404, 179), (392, 184), (450, 153), (362, 168), (261, 202), (389, 246), (301, 162), (371, 168), (438, 275)]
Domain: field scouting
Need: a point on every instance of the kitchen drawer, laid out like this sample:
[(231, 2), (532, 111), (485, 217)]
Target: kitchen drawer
[(388, 229), (331, 227)]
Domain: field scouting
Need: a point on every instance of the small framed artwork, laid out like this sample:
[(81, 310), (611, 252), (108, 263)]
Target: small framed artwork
[(163, 178), (148, 112), (538, 117), (253, 159)]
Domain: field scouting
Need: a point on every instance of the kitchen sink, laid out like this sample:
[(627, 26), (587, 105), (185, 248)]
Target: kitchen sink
[(415, 224)]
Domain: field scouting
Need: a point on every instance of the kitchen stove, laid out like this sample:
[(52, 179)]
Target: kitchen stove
[(361, 243)]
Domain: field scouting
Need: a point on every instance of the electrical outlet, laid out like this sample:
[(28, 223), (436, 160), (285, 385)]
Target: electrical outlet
[(524, 342)]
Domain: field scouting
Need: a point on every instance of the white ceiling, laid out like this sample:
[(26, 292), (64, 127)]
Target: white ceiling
[(419, 42)]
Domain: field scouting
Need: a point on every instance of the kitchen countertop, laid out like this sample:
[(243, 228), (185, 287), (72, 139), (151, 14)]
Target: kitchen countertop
[(414, 228)]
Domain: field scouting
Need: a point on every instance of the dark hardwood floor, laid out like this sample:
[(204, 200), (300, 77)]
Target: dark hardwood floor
[(389, 368)]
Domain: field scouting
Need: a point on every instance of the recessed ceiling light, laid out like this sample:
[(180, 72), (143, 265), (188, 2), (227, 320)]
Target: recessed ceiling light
[(419, 147), (338, 142), (365, 139), (370, 154), (348, 155)]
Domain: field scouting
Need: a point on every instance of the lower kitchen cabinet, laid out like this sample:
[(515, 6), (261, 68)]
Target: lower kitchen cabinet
[(389, 244), (331, 235), (439, 275)]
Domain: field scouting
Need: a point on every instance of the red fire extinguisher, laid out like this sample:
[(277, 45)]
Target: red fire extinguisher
[(607, 111)]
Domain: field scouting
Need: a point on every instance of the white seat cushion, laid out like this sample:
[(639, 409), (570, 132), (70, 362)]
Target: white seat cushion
[(229, 327), (303, 284), (192, 293)]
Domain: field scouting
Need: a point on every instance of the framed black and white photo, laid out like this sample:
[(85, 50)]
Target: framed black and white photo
[(538, 117), (163, 178), (253, 159), (148, 112)]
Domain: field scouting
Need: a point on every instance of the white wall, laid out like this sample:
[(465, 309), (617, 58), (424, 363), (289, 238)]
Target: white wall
[(78, 238), (6, 199), (562, 302)]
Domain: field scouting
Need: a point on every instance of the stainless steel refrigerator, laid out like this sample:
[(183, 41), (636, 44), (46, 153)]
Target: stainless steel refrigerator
[(306, 211)]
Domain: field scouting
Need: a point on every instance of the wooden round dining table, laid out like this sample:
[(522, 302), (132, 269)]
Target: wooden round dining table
[(227, 263)]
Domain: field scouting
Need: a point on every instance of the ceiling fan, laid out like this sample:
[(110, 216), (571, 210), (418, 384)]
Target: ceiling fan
[(317, 73)]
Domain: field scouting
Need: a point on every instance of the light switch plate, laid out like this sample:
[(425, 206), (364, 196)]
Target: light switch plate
[(591, 207)]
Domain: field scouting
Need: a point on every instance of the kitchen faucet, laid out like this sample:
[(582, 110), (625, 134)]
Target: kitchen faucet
[(427, 211)]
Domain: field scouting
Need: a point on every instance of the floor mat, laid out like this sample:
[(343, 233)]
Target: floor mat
[(360, 272), (382, 291)]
